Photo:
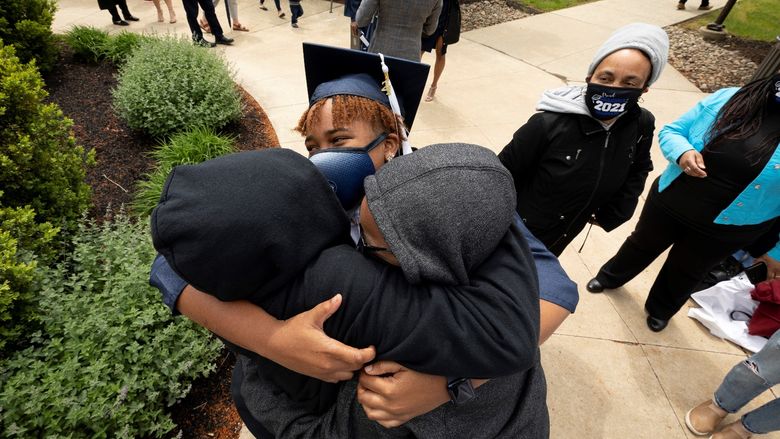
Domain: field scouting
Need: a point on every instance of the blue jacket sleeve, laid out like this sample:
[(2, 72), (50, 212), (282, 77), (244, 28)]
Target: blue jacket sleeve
[(555, 286), (167, 281)]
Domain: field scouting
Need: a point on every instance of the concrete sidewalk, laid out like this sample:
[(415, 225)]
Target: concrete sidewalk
[(609, 376)]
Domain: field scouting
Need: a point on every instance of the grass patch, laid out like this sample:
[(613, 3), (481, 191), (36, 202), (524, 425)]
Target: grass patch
[(550, 5), (751, 19)]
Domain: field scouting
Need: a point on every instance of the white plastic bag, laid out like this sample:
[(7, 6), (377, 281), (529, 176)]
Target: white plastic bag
[(717, 305)]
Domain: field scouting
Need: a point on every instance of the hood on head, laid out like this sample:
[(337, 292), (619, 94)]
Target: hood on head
[(442, 210), (242, 225)]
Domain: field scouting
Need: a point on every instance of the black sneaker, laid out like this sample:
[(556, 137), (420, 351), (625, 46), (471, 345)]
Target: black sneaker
[(121, 23), (131, 18), (281, 14), (202, 42), (295, 25)]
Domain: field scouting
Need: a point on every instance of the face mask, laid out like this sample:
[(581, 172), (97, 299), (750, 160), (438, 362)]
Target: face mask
[(605, 102), (345, 169)]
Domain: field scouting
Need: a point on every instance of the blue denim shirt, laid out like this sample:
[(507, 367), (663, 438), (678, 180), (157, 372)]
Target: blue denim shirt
[(555, 286), (759, 202)]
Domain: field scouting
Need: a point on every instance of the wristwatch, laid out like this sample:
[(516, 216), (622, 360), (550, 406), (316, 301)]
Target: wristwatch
[(460, 389)]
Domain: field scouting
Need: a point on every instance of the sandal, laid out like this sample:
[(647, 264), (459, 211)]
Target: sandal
[(431, 94), (240, 27), (205, 26)]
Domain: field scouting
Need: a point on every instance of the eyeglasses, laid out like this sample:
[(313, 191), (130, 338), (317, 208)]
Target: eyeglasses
[(365, 248)]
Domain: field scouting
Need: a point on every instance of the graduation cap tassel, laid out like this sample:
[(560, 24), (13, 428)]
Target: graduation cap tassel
[(406, 147)]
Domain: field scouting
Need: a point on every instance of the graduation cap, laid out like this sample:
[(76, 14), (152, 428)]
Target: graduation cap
[(332, 71)]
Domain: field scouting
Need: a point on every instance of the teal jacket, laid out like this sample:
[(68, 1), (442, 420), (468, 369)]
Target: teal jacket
[(759, 202)]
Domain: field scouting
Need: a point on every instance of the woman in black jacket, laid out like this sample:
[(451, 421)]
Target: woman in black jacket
[(586, 155)]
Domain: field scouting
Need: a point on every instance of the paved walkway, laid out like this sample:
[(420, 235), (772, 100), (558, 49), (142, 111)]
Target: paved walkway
[(608, 375)]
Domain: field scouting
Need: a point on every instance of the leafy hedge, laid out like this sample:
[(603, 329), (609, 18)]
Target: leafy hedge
[(110, 356), (185, 148), (169, 85), (22, 244), (92, 44), (40, 164), (26, 25)]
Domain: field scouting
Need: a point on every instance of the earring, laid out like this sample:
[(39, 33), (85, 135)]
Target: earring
[(641, 100), (388, 157)]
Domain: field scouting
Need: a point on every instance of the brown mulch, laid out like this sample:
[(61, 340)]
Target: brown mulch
[(83, 91)]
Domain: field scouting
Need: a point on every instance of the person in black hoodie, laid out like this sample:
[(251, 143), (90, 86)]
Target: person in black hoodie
[(586, 155), (480, 320)]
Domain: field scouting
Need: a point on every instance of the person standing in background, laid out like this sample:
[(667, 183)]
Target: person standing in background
[(296, 10), (278, 7), (447, 32), (350, 10), (400, 25), (171, 12), (110, 6), (191, 9), (704, 6)]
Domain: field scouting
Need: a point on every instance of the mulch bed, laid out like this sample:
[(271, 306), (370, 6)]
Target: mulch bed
[(83, 91)]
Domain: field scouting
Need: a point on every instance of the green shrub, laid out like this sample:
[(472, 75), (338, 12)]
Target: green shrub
[(26, 24), (88, 43), (122, 45), (22, 244), (111, 356), (169, 85), (40, 164), (190, 147)]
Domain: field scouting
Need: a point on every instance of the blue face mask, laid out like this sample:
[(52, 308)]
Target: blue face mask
[(606, 102), (345, 169)]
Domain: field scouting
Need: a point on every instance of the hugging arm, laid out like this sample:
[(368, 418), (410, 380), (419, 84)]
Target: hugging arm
[(249, 327)]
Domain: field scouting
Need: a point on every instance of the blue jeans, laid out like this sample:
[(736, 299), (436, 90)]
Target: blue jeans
[(749, 379), (296, 11)]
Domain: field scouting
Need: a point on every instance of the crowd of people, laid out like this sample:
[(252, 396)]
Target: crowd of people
[(375, 290)]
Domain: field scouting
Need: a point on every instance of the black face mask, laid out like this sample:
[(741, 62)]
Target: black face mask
[(606, 102)]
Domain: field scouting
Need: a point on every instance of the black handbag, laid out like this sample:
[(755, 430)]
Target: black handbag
[(451, 33)]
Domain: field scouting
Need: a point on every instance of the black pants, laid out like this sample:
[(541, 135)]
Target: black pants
[(692, 256), (251, 423), (115, 14), (191, 9)]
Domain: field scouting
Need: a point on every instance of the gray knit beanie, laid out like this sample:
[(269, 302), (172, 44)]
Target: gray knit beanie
[(649, 38), (442, 210)]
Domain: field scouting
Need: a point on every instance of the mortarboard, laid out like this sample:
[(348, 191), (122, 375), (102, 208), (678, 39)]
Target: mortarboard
[(334, 71)]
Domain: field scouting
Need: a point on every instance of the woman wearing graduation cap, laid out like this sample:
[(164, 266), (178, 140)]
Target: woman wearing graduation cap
[(337, 103)]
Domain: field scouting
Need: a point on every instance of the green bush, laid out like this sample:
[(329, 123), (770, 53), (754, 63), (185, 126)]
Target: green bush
[(22, 244), (190, 147), (26, 24), (40, 164), (122, 45), (111, 356), (169, 85), (88, 43)]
